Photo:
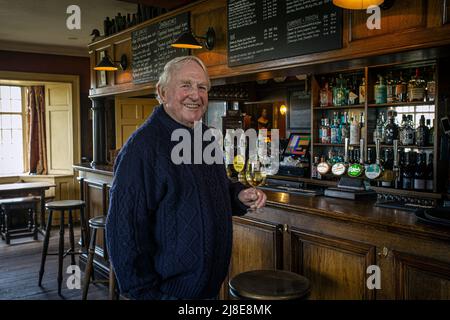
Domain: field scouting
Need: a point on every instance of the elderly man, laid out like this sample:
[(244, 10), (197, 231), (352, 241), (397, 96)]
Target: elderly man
[(169, 227)]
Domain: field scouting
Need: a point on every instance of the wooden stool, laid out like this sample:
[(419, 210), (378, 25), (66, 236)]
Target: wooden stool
[(269, 285), (62, 206), (7, 206), (95, 224)]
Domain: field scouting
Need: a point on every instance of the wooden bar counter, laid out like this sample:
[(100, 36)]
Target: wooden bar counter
[(335, 243)]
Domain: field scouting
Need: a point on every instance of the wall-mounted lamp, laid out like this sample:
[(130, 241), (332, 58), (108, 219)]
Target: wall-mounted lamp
[(357, 4), (106, 64), (283, 109), (188, 40)]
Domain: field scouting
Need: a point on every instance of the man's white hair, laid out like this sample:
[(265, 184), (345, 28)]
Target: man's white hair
[(173, 66)]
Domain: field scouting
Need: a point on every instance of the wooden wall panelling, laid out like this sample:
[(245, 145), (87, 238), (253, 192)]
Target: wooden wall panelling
[(421, 278), (123, 47), (336, 267)]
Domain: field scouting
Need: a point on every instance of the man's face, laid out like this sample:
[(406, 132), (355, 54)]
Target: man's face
[(186, 96)]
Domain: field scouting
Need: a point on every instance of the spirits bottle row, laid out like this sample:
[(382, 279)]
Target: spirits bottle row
[(407, 133), (342, 91), (341, 126), (404, 86)]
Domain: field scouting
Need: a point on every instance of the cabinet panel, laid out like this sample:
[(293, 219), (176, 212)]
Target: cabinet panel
[(336, 267), (421, 278)]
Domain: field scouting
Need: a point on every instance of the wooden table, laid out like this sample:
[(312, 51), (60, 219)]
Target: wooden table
[(20, 189)]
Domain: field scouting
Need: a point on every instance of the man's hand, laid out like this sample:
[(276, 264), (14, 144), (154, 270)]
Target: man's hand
[(253, 198)]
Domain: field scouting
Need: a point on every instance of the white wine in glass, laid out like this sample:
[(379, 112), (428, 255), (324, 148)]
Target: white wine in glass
[(255, 173)]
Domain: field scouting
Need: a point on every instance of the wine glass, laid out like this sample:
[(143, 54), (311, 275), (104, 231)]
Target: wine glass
[(255, 173)]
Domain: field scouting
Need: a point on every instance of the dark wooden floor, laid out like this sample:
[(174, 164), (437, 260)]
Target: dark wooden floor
[(19, 272)]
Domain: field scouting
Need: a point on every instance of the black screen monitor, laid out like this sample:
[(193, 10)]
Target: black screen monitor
[(298, 144)]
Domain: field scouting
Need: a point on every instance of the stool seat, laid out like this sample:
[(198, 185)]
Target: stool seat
[(269, 285), (97, 222), (64, 204)]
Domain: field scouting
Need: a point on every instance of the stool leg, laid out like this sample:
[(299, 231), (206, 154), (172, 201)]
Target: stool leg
[(8, 241), (112, 284), (84, 232), (60, 251), (45, 247), (89, 264), (72, 238), (34, 225)]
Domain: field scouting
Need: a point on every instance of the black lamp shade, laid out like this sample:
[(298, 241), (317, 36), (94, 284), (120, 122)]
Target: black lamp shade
[(187, 41), (105, 65)]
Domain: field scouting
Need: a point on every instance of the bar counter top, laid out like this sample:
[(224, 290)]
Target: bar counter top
[(360, 211)]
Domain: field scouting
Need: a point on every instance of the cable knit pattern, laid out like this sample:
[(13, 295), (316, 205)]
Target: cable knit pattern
[(169, 227)]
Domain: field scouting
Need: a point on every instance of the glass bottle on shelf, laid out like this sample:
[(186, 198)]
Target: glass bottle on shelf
[(416, 88), (422, 133), (391, 128), (390, 88), (431, 86), (380, 91), (355, 131), (345, 127), (320, 130), (325, 94), (353, 92), (362, 126), (430, 173), (340, 92), (401, 89), (388, 166), (407, 131), (420, 172), (334, 131), (362, 91), (407, 171), (326, 136), (314, 172), (378, 133)]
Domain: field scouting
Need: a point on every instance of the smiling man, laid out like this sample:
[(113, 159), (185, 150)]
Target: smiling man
[(169, 227)]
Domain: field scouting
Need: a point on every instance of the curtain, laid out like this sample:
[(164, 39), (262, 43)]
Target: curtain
[(37, 149)]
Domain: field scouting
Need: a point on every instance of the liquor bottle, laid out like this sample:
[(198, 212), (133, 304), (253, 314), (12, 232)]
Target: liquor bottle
[(422, 133), (340, 92), (407, 132), (362, 127), (431, 86), (430, 133), (353, 92), (106, 27), (420, 173), (430, 173), (391, 128), (416, 88), (362, 91), (401, 89), (354, 132), (378, 133), (326, 134), (407, 171), (325, 94), (335, 130), (390, 88), (388, 167), (380, 91), (345, 127)]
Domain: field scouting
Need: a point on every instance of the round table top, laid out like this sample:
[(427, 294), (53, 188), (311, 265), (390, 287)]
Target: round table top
[(269, 285), (65, 204)]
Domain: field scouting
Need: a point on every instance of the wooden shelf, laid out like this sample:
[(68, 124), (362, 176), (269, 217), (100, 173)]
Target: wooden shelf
[(353, 106), (401, 104), (403, 147)]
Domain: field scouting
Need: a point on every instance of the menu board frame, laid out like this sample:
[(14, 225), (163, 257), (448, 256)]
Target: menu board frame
[(299, 111), (262, 30), (151, 48)]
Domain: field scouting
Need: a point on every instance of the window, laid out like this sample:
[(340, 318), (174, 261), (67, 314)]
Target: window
[(11, 132), (416, 111)]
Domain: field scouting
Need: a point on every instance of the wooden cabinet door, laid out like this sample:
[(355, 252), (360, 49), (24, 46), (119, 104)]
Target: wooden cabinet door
[(421, 278), (256, 245), (336, 267)]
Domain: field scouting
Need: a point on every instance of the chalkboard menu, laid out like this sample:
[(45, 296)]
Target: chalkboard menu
[(260, 30), (151, 47)]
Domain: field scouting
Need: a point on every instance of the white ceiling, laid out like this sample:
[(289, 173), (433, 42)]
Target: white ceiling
[(40, 25)]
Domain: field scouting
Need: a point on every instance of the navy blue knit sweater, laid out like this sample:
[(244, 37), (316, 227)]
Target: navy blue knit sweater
[(169, 227)]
